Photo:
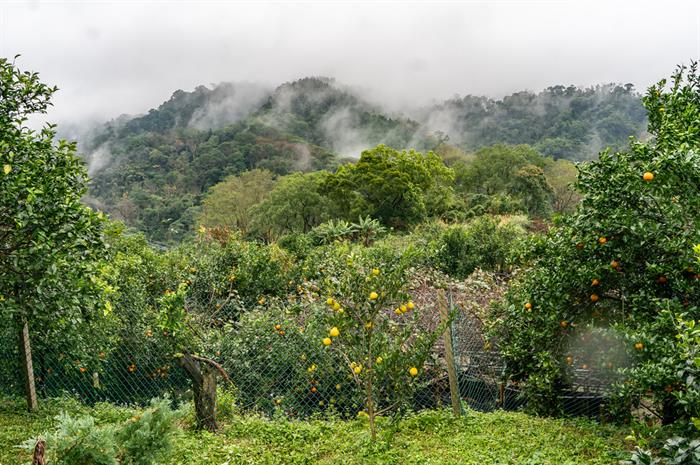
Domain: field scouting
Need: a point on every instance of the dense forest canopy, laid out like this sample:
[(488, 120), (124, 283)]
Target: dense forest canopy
[(153, 171)]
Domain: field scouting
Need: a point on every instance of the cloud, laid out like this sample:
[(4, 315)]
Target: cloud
[(111, 58), (229, 103)]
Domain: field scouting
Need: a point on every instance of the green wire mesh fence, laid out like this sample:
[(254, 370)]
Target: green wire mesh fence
[(276, 368)]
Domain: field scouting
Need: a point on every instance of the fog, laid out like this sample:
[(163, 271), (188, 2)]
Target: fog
[(112, 58)]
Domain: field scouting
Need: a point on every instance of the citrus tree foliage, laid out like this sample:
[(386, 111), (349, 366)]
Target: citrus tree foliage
[(397, 188), (618, 262), (229, 203), (375, 328), (226, 278), (50, 243)]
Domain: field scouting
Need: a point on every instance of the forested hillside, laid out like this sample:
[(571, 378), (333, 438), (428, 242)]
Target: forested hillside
[(152, 171), (561, 122)]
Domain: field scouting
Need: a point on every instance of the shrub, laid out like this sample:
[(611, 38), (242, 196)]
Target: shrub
[(226, 279), (277, 363), (483, 243), (676, 451), (145, 439)]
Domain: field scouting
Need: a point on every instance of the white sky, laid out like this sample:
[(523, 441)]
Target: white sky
[(119, 57)]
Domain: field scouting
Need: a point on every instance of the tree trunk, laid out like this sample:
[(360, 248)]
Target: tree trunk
[(203, 379), (25, 354), (669, 411)]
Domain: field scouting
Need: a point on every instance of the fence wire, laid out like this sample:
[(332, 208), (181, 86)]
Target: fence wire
[(275, 372)]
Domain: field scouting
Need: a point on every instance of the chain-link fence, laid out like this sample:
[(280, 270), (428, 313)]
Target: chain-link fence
[(276, 365), (482, 385)]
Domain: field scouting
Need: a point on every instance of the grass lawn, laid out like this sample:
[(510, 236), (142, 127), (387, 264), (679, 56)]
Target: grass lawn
[(432, 437)]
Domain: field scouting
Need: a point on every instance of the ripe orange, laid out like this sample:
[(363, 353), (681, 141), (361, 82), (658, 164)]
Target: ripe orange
[(595, 282), (584, 366), (313, 389), (410, 305), (375, 272), (563, 323), (334, 332), (639, 345), (357, 370), (373, 295), (329, 301), (528, 306), (648, 176), (614, 264), (570, 360), (594, 297), (278, 327), (281, 333), (413, 371), (602, 240), (327, 341)]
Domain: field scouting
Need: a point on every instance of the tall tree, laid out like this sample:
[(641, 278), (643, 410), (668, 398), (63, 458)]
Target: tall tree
[(50, 242), (296, 204), (229, 203), (397, 188)]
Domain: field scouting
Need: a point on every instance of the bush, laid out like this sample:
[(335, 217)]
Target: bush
[(484, 243), (277, 363), (230, 277), (145, 439), (676, 451)]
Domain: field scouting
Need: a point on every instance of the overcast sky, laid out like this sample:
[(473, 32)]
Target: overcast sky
[(118, 57)]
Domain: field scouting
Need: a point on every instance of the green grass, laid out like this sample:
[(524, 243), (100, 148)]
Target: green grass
[(427, 438)]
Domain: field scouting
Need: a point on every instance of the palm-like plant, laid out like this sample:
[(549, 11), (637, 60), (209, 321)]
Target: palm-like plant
[(368, 229), (333, 231)]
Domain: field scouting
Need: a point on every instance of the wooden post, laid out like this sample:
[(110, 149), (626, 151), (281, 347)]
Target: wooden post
[(39, 457), (25, 353), (449, 355)]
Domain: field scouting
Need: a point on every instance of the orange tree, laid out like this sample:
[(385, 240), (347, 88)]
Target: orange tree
[(375, 328), (614, 265), (51, 244)]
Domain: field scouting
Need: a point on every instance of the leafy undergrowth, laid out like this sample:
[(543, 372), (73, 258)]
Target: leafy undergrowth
[(432, 437)]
